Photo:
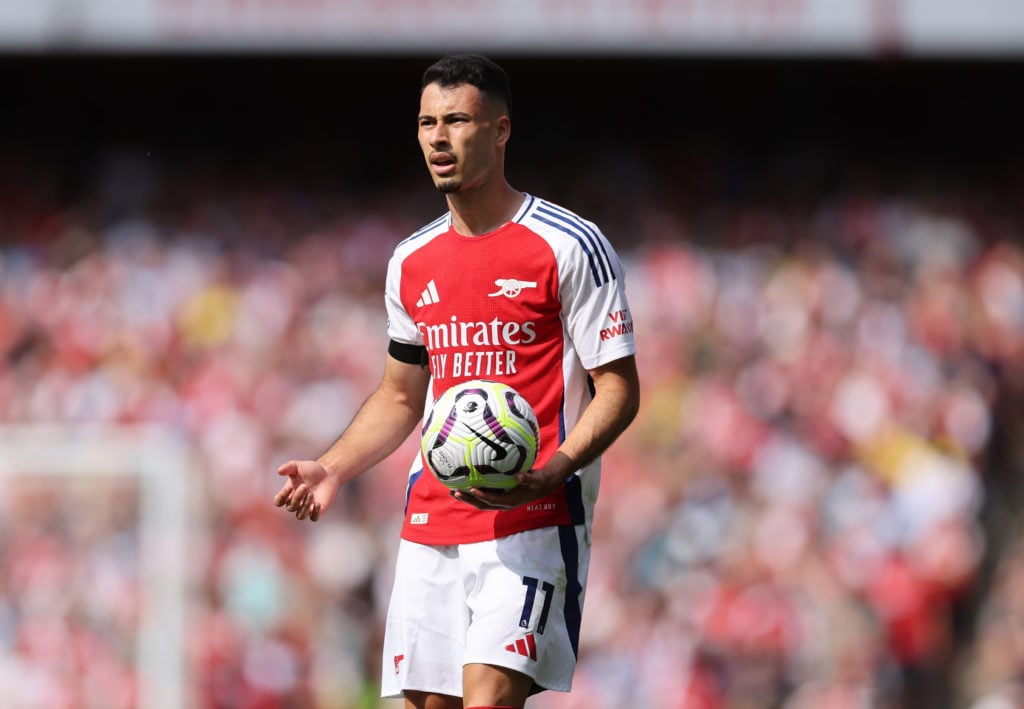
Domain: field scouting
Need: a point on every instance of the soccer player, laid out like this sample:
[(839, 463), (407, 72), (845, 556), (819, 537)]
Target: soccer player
[(489, 585)]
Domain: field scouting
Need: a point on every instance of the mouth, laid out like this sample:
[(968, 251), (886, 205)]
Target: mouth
[(443, 163)]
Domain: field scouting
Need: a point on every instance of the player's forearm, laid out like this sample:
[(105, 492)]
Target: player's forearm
[(383, 422), (615, 405)]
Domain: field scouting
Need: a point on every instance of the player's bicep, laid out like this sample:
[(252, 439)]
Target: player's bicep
[(406, 382)]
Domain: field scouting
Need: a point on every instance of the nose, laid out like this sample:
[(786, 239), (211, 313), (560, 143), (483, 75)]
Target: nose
[(438, 136)]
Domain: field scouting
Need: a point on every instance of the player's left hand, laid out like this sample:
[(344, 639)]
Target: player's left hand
[(533, 485)]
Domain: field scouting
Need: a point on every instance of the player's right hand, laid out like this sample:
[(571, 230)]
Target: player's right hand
[(308, 491)]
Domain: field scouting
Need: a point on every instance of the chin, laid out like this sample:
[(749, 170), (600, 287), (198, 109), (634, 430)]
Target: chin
[(448, 186)]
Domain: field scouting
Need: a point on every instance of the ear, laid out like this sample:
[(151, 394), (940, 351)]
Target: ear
[(503, 130)]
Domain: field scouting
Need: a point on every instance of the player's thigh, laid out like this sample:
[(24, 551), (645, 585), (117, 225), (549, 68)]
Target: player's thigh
[(488, 685)]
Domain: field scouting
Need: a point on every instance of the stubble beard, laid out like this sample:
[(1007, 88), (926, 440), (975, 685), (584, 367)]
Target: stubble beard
[(449, 186)]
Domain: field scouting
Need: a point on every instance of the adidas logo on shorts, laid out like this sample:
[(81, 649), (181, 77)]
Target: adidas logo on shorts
[(527, 647)]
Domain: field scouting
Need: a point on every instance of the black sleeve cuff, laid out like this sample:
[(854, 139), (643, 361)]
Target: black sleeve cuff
[(410, 354)]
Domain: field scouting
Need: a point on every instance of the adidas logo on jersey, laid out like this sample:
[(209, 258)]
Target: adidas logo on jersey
[(429, 295), (527, 647)]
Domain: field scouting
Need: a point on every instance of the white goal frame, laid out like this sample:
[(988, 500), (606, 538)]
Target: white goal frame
[(160, 461)]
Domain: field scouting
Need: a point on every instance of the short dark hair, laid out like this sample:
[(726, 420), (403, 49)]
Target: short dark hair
[(473, 69)]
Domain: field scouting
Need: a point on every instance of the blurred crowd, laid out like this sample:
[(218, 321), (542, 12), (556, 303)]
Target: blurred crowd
[(815, 508)]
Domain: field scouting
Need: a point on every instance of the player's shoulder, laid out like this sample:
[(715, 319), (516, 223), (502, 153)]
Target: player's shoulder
[(547, 217), (573, 238), (424, 234)]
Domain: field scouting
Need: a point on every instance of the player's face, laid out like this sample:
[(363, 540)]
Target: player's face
[(461, 134)]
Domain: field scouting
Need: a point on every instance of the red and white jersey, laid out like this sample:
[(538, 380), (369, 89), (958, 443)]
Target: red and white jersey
[(534, 304)]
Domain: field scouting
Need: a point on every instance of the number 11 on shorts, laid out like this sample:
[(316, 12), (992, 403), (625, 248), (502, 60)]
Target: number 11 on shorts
[(531, 596)]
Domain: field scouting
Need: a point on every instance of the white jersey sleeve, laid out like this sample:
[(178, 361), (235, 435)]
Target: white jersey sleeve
[(591, 285), (595, 310), (401, 326)]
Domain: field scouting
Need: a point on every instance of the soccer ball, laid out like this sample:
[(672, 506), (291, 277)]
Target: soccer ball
[(480, 434)]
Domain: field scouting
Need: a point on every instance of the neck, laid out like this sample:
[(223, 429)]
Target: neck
[(479, 213)]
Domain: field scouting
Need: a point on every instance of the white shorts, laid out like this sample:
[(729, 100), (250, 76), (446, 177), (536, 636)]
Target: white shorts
[(514, 602)]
